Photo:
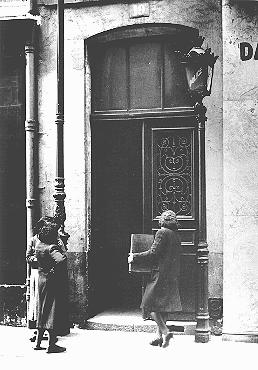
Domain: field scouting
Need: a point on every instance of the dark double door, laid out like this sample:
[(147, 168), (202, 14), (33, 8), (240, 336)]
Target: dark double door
[(140, 168)]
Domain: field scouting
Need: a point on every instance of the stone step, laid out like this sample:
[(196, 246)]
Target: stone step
[(132, 321)]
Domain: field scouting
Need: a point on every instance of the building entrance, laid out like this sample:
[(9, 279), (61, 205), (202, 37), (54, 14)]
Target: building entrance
[(144, 158), (140, 168)]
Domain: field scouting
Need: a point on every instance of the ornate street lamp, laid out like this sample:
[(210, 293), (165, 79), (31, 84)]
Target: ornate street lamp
[(199, 68)]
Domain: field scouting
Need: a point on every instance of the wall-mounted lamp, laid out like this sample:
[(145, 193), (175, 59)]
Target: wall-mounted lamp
[(199, 67)]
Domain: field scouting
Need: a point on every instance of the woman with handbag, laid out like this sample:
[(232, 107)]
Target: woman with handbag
[(52, 312), (161, 295), (33, 275)]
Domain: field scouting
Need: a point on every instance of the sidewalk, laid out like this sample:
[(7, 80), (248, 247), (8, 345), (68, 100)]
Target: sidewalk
[(96, 349)]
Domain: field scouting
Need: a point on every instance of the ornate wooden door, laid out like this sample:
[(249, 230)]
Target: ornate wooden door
[(171, 182)]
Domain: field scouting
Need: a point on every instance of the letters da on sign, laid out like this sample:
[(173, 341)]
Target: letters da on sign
[(247, 51)]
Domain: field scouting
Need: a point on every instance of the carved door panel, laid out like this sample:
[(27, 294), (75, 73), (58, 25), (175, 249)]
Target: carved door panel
[(170, 182)]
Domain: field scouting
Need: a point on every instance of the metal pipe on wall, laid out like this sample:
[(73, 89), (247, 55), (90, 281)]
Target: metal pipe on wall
[(202, 332), (59, 194), (30, 137)]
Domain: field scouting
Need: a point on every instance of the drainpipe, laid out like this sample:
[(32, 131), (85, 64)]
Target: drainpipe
[(202, 332), (30, 134)]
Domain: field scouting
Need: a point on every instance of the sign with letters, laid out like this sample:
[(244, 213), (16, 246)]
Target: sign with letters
[(248, 51)]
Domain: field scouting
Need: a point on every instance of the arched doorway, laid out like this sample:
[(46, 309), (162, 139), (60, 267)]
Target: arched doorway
[(144, 140)]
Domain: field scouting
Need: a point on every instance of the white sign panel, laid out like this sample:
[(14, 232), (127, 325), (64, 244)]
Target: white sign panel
[(14, 8)]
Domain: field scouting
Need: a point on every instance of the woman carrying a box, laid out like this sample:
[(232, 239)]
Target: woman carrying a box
[(161, 295)]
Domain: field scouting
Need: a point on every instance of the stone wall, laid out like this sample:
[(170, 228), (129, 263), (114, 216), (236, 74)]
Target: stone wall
[(240, 138), (13, 305), (81, 23)]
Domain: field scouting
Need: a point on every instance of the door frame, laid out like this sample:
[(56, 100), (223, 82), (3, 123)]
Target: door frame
[(202, 315), (188, 36)]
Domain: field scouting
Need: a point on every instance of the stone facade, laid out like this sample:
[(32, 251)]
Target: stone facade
[(231, 147), (240, 171), (81, 23)]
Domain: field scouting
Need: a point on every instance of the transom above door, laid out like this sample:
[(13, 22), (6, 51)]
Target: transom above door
[(137, 69)]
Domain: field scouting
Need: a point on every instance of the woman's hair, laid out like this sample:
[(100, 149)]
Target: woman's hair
[(168, 219), (42, 221), (48, 232)]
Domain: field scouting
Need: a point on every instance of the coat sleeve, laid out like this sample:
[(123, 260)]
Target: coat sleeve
[(56, 255), (156, 250), (30, 254)]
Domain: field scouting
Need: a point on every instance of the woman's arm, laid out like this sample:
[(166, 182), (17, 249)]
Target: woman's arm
[(30, 254), (155, 251), (56, 254), (57, 257)]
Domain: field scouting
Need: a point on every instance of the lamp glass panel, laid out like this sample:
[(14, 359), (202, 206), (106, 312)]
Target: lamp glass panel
[(196, 78)]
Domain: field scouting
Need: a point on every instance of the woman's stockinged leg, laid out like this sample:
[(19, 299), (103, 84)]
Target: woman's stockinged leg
[(40, 333), (52, 338), (161, 329), (158, 318), (166, 335), (52, 347)]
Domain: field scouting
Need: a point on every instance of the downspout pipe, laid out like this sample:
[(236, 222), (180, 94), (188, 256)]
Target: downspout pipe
[(31, 125)]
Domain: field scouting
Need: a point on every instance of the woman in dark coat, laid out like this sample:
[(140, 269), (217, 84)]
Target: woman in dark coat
[(52, 310), (161, 295)]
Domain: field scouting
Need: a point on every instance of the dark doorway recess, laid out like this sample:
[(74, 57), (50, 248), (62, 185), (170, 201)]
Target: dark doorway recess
[(116, 212), (12, 155)]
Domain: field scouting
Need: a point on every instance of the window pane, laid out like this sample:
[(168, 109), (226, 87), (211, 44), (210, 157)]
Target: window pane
[(176, 93), (109, 79), (145, 72)]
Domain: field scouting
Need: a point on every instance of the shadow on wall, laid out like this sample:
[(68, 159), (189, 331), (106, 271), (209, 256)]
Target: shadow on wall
[(245, 9), (216, 315)]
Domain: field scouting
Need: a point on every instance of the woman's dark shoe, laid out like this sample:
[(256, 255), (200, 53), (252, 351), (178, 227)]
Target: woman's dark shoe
[(167, 338), (38, 348), (33, 338), (55, 349), (156, 342)]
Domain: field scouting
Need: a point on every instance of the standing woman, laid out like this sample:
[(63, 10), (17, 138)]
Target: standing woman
[(52, 313), (33, 287), (161, 295)]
